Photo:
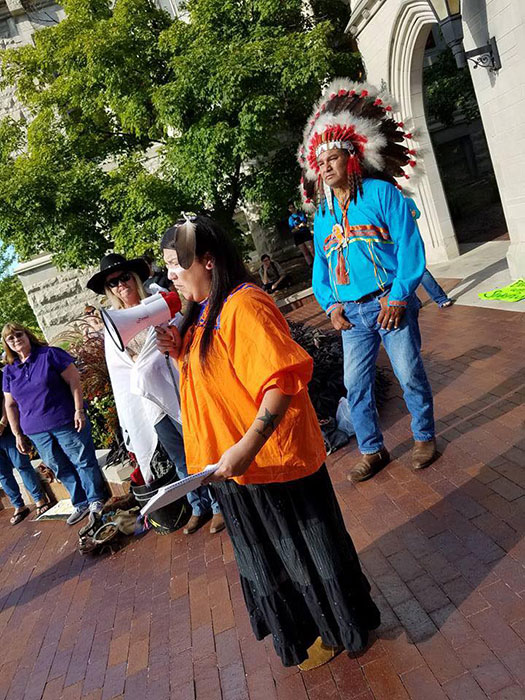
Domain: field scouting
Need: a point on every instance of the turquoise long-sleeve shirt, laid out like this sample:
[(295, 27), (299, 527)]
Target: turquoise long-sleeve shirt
[(379, 245)]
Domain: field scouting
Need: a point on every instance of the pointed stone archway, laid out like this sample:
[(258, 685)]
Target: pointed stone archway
[(405, 80)]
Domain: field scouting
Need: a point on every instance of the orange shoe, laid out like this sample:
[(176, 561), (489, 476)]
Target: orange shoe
[(319, 654)]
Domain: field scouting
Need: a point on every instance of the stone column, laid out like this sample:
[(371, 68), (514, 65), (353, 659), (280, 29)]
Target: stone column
[(502, 107)]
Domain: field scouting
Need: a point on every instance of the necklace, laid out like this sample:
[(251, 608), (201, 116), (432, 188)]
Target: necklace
[(339, 228), (339, 233), (344, 208)]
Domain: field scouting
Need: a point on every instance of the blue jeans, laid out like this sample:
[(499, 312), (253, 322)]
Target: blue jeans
[(432, 288), (10, 458), (202, 500), (72, 458), (403, 345)]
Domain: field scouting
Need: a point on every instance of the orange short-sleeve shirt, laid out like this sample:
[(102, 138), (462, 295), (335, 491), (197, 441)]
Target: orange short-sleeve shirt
[(252, 351)]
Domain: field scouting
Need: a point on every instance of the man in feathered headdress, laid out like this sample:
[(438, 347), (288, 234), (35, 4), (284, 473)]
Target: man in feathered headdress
[(369, 257)]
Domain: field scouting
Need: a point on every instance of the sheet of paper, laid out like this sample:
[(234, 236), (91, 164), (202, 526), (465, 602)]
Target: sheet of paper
[(60, 510), (172, 492)]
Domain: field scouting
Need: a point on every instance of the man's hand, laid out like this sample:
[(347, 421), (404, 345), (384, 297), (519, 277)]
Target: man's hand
[(390, 316), (339, 320), (169, 340)]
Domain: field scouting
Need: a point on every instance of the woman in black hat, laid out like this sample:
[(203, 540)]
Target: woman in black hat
[(113, 262), (147, 405)]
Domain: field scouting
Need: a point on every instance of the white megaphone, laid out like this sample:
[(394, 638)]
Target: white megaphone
[(124, 324)]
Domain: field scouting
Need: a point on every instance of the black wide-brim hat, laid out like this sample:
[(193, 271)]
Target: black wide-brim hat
[(113, 262)]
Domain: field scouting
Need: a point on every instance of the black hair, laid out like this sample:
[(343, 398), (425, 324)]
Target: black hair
[(291, 202), (227, 273), (264, 256)]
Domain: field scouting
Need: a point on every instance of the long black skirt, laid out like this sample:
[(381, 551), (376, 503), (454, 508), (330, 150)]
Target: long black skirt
[(299, 570)]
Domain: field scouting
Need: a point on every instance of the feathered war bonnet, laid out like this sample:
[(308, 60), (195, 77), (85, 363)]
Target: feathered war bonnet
[(356, 117)]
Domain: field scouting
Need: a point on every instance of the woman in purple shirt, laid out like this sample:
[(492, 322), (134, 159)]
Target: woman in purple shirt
[(43, 399), (11, 459)]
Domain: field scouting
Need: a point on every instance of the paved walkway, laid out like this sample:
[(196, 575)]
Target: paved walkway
[(481, 267), (164, 619)]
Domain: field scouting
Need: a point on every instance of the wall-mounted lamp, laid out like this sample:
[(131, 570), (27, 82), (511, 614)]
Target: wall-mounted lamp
[(448, 14)]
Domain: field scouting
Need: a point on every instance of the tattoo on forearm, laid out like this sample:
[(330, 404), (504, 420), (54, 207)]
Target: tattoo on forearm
[(268, 423)]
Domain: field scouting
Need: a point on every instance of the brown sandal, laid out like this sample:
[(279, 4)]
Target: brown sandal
[(40, 510), (18, 517)]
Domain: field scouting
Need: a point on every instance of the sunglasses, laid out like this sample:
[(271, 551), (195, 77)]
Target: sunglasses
[(16, 335), (114, 283)]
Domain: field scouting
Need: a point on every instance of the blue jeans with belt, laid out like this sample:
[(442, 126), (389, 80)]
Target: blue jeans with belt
[(403, 346), (10, 458), (72, 458), (202, 500)]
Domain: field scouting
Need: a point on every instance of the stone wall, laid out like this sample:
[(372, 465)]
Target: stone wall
[(56, 297)]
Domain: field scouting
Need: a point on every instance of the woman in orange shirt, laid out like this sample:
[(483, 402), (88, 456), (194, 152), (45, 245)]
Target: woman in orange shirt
[(245, 406)]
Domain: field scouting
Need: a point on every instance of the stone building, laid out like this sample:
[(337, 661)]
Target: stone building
[(392, 36)]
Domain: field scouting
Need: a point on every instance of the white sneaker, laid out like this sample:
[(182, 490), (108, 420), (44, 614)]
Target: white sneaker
[(77, 515), (96, 507)]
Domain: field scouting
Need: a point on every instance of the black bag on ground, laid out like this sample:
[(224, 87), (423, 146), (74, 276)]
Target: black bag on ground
[(332, 436), (168, 518)]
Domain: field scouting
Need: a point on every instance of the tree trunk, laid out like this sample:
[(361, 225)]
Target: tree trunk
[(266, 240)]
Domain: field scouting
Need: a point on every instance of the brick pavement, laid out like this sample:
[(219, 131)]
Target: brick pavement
[(163, 618)]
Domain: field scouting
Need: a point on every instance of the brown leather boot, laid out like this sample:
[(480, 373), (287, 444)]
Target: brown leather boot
[(424, 453), (369, 465), (194, 523), (217, 523)]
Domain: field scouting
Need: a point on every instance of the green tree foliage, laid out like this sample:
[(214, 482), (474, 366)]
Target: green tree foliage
[(7, 260), (449, 91), (14, 305), (135, 117)]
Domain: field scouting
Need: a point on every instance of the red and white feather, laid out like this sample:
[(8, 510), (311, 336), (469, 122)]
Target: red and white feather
[(363, 133)]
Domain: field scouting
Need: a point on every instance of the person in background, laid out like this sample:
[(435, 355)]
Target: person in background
[(147, 401), (158, 280), (272, 275), (428, 281), (245, 408), (10, 459), (44, 403), (301, 233)]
